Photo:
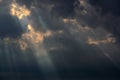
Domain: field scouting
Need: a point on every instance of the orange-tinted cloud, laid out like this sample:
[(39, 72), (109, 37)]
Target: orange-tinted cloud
[(92, 41), (19, 11)]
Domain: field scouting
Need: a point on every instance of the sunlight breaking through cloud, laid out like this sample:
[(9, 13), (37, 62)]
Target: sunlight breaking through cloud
[(92, 41), (33, 35), (77, 25), (19, 11)]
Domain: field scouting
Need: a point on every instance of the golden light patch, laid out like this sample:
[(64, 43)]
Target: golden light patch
[(92, 41), (78, 26), (66, 20), (32, 35), (19, 11), (48, 33)]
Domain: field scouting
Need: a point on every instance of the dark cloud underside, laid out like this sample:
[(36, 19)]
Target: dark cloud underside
[(9, 27), (108, 6), (62, 8), (101, 14)]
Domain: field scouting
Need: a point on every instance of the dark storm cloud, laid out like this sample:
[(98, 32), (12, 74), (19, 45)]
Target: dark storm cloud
[(107, 6), (9, 27), (100, 13), (111, 23), (63, 8)]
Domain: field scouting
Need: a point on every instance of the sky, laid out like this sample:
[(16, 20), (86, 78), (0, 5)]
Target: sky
[(59, 39)]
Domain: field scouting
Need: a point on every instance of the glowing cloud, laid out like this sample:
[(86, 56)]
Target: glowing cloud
[(19, 11), (92, 41), (76, 24), (48, 33), (32, 35)]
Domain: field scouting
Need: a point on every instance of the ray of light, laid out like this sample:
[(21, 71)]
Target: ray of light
[(91, 41), (45, 62), (41, 54), (34, 39), (101, 48), (9, 62)]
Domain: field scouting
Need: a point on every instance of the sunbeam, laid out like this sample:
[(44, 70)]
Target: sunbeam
[(59, 40), (35, 39)]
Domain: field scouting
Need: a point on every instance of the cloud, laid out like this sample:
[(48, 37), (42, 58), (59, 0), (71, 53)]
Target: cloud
[(90, 13), (19, 11), (50, 30), (63, 8), (107, 6), (87, 18)]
